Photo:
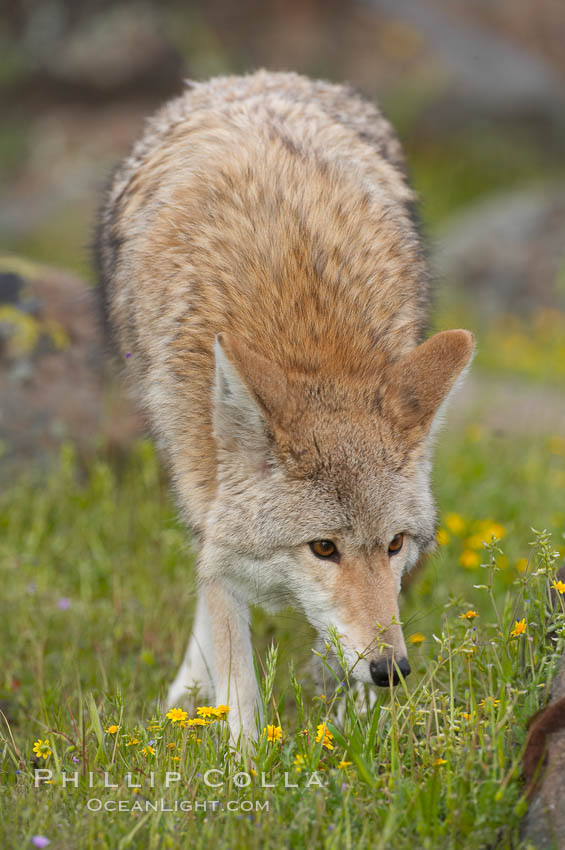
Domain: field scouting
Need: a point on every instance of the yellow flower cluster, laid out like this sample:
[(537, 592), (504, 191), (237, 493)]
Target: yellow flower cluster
[(207, 714), (469, 559), (489, 700), (455, 523), (482, 532), (486, 530), (529, 346), (298, 762), (325, 736), (217, 713)]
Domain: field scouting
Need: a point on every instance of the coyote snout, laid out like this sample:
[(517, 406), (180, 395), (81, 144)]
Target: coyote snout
[(364, 604), (264, 278), (385, 670)]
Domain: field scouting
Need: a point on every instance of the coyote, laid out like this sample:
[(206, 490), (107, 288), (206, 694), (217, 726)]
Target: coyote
[(266, 287)]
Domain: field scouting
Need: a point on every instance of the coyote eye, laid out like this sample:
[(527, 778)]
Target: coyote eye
[(395, 544), (324, 549)]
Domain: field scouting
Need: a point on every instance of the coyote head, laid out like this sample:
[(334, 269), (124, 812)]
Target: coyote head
[(324, 495)]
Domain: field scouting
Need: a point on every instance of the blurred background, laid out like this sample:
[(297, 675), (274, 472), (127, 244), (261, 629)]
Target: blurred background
[(475, 88)]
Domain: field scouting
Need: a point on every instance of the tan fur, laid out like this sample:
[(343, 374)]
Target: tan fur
[(271, 212)]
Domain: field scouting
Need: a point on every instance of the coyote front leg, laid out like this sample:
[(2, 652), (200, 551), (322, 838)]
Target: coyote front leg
[(219, 659), (196, 673), (234, 680)]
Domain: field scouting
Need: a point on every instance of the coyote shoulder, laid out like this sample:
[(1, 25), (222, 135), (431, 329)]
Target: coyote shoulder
[(261, 267)]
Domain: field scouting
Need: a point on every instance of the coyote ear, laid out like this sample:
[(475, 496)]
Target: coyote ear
[(425, 376), (248, 391)]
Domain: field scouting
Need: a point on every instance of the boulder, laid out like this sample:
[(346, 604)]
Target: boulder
[(507, 252), (53, 384)]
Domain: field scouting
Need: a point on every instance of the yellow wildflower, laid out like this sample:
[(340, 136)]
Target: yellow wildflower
[(417, 638), (559, 586), (148, 750), (439, 762), (469, 615), (522, 565), (466, 716), (519, 628), (132, 741), (111, 730), (475, 541), (455, 523), (42, 749), (469, 559), (176, 714), (325, 736), (221, 711), (172, 745), (207, 711), (343, 764), (274, 733), (492, 700), (442, 536), (194, 721), (490, 529), (175, 758), (298, 762)]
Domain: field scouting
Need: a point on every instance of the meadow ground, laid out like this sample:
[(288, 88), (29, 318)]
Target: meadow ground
[(97, 594)]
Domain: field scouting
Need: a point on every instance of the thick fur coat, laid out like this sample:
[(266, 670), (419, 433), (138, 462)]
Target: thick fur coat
[(261, 267)]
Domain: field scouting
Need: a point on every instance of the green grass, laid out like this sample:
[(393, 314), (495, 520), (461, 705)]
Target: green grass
[(525, 347), (97, 579), (457, 169)]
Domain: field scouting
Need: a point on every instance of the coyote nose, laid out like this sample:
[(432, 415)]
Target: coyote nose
[(383, 670)]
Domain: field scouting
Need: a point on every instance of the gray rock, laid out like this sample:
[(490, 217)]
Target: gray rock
[(481, 66), (52, 368), (115, 47), (508, 251)]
